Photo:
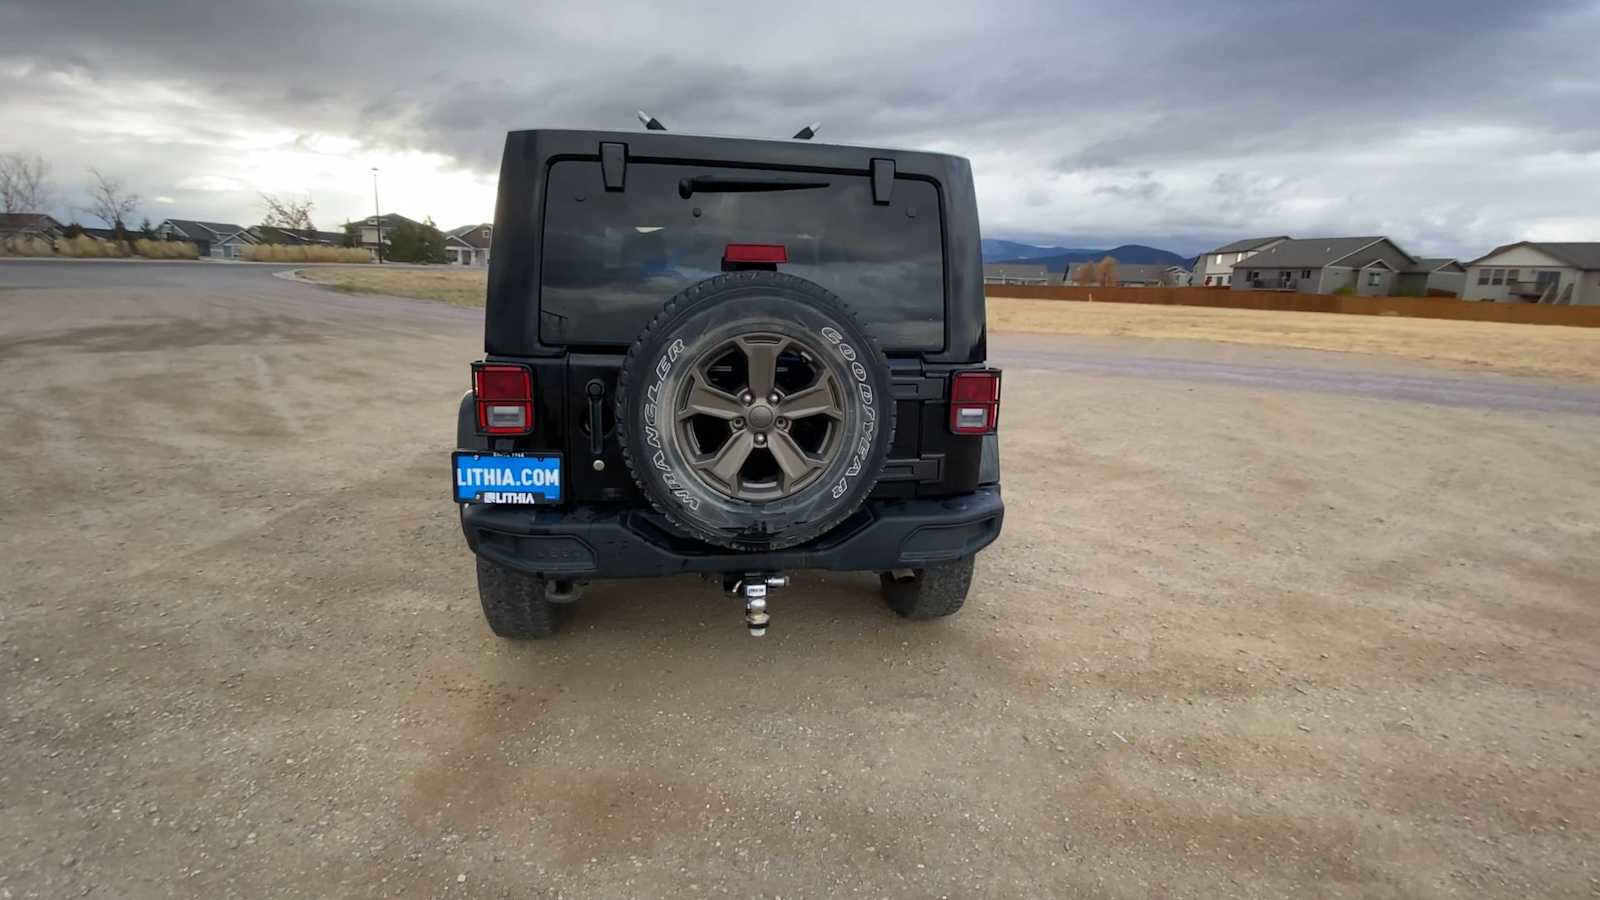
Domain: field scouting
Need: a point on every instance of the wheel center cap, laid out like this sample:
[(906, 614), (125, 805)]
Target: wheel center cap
[(761, 417)]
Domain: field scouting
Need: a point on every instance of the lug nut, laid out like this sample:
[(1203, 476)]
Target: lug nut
[(782, 422), (738, 423), (747, 397), (761, 440), (773, 397)]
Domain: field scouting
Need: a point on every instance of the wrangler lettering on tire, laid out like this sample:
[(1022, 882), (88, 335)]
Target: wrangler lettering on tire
[(754, 412)]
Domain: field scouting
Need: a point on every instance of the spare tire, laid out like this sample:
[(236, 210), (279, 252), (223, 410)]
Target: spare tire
[(754, 411)]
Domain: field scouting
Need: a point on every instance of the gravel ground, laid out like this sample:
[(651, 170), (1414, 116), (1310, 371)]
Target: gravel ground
[(1260, 625)]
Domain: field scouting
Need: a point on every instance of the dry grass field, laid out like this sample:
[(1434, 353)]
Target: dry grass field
[(457, 285), (1542, 349), (1538, 349)]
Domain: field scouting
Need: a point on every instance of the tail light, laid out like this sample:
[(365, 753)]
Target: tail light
[(755, 254), (504, 395), (975, 402)]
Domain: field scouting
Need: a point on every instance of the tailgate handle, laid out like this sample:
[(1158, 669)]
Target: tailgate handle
[(596, 390)]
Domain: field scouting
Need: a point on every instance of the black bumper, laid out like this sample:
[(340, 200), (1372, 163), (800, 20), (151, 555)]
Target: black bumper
[(593, 543)]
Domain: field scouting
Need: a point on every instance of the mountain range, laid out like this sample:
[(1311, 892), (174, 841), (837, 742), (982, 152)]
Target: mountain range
[(1057, 259)]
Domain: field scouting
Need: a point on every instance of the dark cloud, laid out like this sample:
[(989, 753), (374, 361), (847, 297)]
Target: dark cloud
[(1462, 123)]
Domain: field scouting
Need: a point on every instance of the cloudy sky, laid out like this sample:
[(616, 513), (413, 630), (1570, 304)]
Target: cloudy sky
[(1452, 125)]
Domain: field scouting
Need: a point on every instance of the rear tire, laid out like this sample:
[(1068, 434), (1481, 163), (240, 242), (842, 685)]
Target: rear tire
[(931, 593), (515, 604)]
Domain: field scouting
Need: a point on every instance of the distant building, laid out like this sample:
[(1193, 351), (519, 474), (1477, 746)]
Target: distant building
[(1086, 274), (28, 225), (1016, 273), (1536, 272), (218, 240), (1215, 269), (1444, 275), (370, 229), (296, 237), (1372, 266), (469, 245)]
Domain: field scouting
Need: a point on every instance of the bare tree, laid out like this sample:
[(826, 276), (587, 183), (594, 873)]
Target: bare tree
[(1106, 272), (288, 212), (109, 201), (24, 184)]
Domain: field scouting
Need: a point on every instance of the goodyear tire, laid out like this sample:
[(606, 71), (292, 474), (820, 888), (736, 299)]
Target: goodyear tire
[(517, 605), (754, 411)]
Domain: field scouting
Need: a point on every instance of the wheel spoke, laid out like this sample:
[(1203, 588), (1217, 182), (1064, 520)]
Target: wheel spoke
[(761, 358), (706, 400), (791, 459), (817, 400), (727, 462)]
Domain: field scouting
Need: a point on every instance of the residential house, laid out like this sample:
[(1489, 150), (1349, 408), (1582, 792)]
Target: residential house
[(218, 240), (1131, 275), (372, 226), (1215, 269), (302, 237), (1445, 276), (1016, 273), (1372, 266), (28, 225), (1536, 272), (469, 245)]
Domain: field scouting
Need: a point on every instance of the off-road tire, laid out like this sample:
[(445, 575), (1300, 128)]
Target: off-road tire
[(514, 603), (932, 593), (657, 369)]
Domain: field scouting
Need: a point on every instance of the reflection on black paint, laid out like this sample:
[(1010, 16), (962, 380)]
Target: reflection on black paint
[(610, 261)]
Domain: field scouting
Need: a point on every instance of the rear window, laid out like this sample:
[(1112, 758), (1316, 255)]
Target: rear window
[(611, 259)]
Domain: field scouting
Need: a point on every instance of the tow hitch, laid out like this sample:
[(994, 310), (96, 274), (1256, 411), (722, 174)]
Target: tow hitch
[(753, 587)]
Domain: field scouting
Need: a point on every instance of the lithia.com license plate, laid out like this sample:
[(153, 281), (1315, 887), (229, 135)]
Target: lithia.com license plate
[(507, 478)]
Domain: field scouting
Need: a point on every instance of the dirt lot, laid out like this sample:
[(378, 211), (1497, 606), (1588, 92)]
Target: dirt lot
[(1244, 638), (1529, 349)]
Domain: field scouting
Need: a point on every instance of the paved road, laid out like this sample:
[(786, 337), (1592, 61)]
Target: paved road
[(1303, 370), (1263, 623)]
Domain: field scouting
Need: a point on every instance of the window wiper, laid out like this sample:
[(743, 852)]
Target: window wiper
[(741, 184)]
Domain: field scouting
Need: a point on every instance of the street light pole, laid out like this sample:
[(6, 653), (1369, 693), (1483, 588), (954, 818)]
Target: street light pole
[(377, 214)]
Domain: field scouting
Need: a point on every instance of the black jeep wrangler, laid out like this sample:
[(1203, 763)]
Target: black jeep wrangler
[(731, 357)]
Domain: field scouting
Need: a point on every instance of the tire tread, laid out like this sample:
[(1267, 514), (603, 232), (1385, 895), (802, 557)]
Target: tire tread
[(937, 591), (514, 603), (688, 297)]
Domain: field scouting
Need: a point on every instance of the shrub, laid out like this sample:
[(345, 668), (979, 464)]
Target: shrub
[(150, 249), (304, 253), (86, 247), (26, 246)]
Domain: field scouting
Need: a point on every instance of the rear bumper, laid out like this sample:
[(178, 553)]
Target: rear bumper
[(591, 543)]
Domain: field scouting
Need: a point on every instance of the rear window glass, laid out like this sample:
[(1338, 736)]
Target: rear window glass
[(610, 260)]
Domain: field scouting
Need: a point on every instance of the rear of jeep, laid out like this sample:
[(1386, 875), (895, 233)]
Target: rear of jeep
[(730, 357)]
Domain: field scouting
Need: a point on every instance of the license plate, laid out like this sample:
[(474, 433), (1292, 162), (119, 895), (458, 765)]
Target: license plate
[(517, 478)]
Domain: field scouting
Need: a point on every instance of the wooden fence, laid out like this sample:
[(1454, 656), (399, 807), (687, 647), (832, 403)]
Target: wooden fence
[(1429, 308)]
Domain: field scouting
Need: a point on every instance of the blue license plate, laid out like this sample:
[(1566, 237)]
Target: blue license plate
[(517, 478)]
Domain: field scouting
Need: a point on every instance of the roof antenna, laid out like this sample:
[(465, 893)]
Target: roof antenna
[(651, 123), (808, 132)]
